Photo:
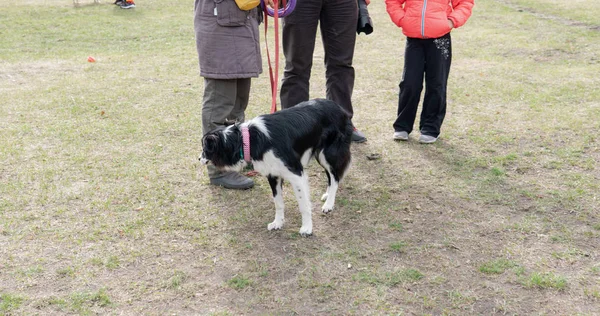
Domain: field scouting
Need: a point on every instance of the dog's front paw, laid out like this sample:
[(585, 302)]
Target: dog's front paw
[(326, 209), (305, 231), (324, 196), (275, 225)]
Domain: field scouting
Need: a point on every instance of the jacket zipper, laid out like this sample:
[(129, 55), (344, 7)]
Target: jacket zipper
[(423, 19)]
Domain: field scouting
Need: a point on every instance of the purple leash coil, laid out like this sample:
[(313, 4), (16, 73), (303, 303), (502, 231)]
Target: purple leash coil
[(282, 12)]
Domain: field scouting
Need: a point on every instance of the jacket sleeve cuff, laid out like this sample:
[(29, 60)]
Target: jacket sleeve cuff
[(454, 21), (398, 22)]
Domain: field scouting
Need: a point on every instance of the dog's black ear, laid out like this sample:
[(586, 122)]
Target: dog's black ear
[(210, 143)]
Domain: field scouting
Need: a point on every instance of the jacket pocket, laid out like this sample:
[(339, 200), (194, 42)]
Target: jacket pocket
[(228, 13)]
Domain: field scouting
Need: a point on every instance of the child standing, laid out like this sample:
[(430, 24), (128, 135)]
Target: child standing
[(427, 25)]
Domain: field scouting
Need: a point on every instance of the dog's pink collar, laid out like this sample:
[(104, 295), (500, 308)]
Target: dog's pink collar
[(246, 142)]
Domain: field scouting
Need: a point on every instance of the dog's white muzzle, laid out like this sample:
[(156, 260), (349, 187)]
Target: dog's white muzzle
[(204, 161)]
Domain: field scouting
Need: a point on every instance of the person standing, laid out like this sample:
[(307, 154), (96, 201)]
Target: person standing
[(338, 20), (428, 55), (227, 40)]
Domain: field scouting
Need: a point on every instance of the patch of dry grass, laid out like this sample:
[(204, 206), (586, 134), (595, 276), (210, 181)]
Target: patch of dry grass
[(105, 209)]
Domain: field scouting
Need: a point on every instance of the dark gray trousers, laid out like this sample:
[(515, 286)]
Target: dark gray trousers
[(223, 100), (337, 20), (427, 59)]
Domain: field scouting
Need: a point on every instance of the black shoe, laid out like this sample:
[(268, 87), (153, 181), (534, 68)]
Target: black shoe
[(358, 137), (119, 2), (232, 180)]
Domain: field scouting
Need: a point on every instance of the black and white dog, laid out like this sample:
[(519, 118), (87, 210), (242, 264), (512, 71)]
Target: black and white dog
[(280, 145)]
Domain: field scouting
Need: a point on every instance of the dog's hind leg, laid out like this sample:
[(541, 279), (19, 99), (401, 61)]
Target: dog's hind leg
[(301, 190), (276, 186)]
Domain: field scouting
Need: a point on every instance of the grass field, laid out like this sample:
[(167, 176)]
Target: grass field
[(104, 208)]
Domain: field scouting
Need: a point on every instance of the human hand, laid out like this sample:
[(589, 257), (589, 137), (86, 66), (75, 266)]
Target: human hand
[(271, 3), (450, 23)]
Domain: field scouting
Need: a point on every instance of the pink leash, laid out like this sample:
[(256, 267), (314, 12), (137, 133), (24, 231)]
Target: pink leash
[(273, 75), (276, 13)]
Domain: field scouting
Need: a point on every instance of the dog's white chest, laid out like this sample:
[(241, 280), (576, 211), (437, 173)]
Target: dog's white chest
[(271, 165)]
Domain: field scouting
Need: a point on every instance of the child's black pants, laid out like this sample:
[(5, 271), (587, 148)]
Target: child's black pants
[(427, 59)]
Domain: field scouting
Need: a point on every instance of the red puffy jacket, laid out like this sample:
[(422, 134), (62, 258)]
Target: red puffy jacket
[(428, 18)]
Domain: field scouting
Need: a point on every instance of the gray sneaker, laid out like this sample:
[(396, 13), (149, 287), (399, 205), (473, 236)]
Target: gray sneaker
[(401, 135), (426, 139), (232, 180)]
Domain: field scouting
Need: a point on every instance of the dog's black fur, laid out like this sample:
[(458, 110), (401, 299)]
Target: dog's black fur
[(282, 143)]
